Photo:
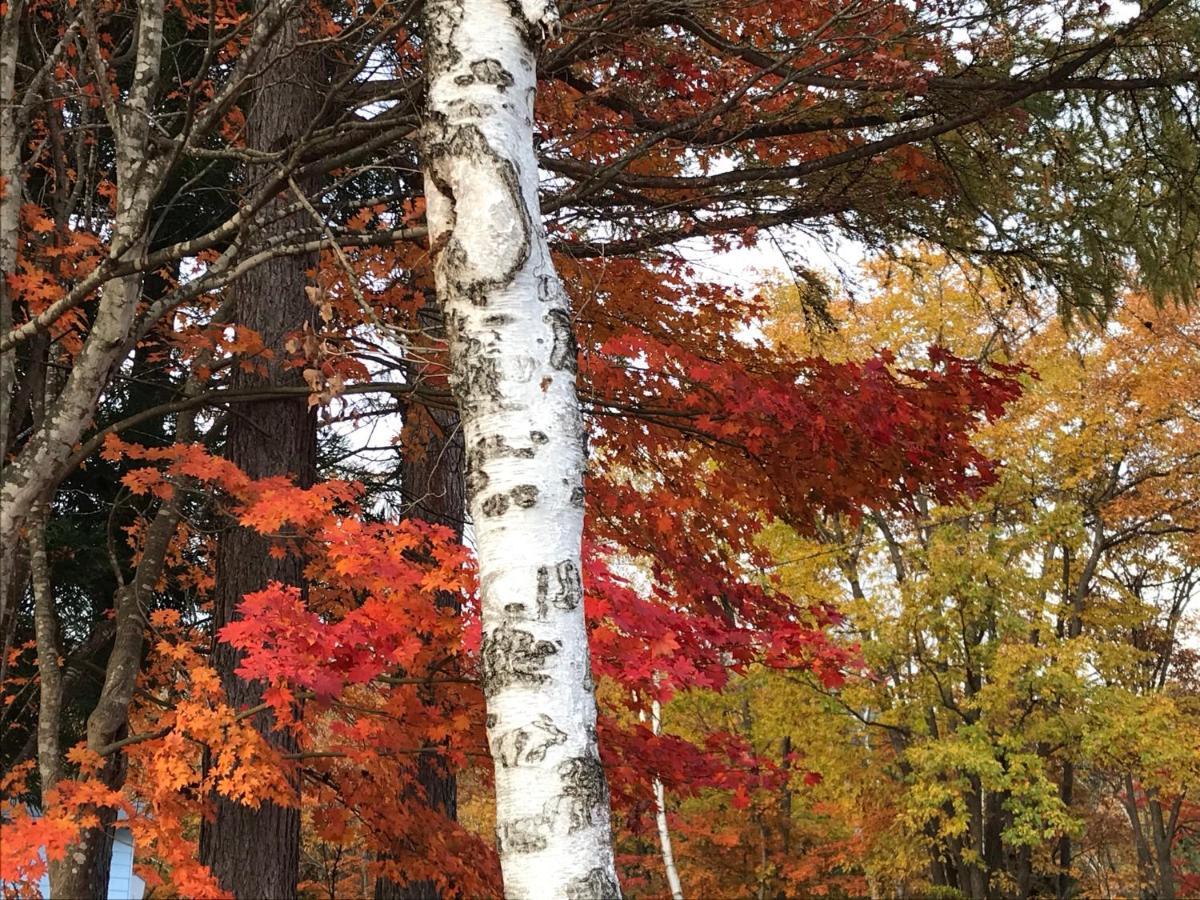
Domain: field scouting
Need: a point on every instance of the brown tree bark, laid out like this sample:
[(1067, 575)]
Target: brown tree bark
[(256, 852), (1162, 829)]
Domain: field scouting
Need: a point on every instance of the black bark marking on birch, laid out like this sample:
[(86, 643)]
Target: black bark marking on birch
[(476, 478), (513, 656), (529, 743), (524, 496), (577, 495), (497, 445), (549, 288), (533, 32), (595, 885), (495, 505), (469, 110), (567, 592), (437, 124), (585, 789), (443, 145), (441, 53), (487, 71), (543, 591), (562, 353), (526, 835), (480, 382)]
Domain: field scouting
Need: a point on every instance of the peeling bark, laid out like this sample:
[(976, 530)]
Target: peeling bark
[(513, 368)]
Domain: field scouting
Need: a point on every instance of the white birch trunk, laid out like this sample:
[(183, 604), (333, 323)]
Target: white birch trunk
[(660, 815), (513, 355)]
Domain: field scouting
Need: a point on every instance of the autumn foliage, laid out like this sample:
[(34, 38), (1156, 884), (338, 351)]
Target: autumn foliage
[(886, 573)]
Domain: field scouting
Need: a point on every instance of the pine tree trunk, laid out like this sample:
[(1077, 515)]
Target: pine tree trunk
[(256, 852), (513, 360)]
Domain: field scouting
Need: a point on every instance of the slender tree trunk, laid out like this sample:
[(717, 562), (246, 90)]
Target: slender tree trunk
[(1163, 839), (38, 466), (50, 676), (997, 862), (87, 872), (10, 212), (14, 574), (1065, 884), (513, 360), (785, 804), (660, 815), (1024, 872), (432, 479), (977, 882), (1145, 860), (255, 852)]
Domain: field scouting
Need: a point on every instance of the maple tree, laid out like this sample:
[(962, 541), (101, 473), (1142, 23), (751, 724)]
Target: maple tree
[(656, 124)]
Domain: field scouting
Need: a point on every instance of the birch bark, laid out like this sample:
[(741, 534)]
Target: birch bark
[(513, 361), (660, 815)]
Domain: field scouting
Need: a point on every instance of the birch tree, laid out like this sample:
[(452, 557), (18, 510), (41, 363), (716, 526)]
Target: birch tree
[(660, 811), (513, 361)]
